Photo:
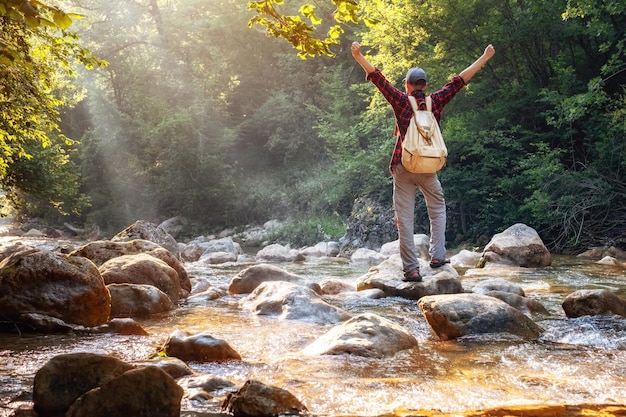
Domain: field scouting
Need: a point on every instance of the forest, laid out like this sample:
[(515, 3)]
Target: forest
[(220, 112)]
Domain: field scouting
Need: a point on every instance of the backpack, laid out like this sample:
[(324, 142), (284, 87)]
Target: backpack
[(423, 149)]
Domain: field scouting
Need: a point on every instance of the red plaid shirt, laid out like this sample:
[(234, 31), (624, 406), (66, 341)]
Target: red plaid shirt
[(402, 107)]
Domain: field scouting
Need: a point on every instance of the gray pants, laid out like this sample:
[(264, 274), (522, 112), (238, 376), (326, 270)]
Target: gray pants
[(405, 185)]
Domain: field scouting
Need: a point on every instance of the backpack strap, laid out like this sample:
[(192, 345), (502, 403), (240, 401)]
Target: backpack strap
[(420, 129), (413, 103), (429, 103)]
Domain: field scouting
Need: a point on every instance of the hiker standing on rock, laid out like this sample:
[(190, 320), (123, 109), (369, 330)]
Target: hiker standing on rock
[(405, 183)]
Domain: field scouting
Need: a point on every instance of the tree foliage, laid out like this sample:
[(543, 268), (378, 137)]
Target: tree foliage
[(197, 115), (37, 57), (301, 29)]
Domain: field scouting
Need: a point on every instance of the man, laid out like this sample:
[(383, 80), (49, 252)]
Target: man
[(405, 184)]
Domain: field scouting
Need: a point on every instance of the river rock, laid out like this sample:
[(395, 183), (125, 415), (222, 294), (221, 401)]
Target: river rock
[(215, 258), (142, 269), (422, 245), (367, 257), (522, 303), (609, 260), (205, 387), (498, 284), (257, 399), (248, 279), (174, 225), (332, 286), (64, 378), (456, 315), (202, 298), (321, 250), (388, 277), (143, 392), (38, 323), (366, 335), (136, 300), (101, 251), (200, 347), (291, 301), (593, 303), (126, 326), (519, 245), (68, 288), (278, 253), (174, 367), (602, 251), (465, 259), (145, 230), (203, 249)]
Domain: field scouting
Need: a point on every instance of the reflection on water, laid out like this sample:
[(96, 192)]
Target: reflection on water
[(576, 361)]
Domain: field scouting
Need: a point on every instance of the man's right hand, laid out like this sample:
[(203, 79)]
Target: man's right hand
[(356, 49), (356, 53)]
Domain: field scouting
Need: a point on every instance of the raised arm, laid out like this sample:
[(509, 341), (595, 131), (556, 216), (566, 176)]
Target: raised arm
[(470, 71), (364, 63)]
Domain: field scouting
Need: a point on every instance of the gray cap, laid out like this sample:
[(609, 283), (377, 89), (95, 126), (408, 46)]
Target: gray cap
[(414, 75)]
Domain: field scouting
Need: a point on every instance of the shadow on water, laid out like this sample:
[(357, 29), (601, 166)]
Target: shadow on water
[(576, 360)]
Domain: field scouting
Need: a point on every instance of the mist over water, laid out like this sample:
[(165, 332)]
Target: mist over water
[(575, 361)]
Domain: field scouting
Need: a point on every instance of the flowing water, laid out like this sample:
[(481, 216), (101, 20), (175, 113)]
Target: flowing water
[(576, 361)]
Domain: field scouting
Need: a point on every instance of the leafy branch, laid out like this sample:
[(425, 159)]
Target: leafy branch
[(300, 29)]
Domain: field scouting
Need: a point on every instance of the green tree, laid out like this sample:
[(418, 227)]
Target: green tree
[(37, 56)]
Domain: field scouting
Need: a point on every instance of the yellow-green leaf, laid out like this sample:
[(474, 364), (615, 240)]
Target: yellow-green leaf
[(62, 20), (335, 32)]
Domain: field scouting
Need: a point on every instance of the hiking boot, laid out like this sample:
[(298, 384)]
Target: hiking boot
[(438, 263), (412, 276)]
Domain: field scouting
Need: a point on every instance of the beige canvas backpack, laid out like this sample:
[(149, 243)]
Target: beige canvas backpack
[(423, 149)]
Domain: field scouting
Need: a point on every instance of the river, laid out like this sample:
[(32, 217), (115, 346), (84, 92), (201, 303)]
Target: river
[(576, 361)]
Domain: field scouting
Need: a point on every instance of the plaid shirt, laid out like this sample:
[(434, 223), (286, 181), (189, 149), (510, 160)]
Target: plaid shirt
[(402, 107)]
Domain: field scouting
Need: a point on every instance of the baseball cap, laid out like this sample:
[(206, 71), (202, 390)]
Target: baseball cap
[(414, 75)]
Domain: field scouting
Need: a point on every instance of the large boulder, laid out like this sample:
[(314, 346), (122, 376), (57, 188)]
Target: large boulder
[(519, 245), (143, 392), (257, 399), (366, 335), (68, 288), (248, 279), (593, 303), (134, 300), (456, 315), (387, 277), (142, 269), (101, 251), (370, 226), (200, 347), (145, 230), (64, 378), (174, 225), (291, 301)]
